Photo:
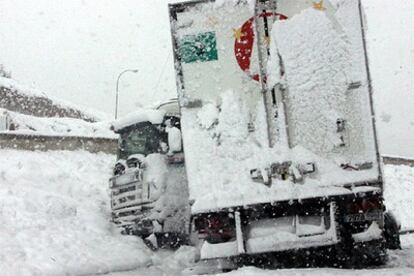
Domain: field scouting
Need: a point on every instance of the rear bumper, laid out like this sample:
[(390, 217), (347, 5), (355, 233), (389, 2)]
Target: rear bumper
[(301, 193), (276, 241)]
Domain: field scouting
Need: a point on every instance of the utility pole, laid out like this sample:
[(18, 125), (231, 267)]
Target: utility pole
[(117, 88)]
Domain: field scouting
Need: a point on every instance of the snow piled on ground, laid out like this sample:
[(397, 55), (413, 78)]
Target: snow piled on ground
[(54, 216), (252, 271), (165, 263), (54, 220)]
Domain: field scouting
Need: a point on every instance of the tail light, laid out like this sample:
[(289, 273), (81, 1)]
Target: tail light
[(365, 205), (371, 204), (215, 228)]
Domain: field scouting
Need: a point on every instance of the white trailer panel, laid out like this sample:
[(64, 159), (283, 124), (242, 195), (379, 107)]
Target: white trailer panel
[(225, 118)]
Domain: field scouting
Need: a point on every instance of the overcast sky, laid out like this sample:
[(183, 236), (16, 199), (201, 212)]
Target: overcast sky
[(75, 49)]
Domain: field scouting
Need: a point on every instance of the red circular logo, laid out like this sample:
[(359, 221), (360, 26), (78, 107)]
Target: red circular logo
[(243, 44)]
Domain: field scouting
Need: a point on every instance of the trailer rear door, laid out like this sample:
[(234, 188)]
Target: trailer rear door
[(231, 111)]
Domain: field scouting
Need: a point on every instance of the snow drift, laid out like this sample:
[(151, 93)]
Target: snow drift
[(54, 216)]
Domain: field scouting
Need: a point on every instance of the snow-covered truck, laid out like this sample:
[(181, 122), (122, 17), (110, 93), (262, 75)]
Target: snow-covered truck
[(278, 129), (148, 189)]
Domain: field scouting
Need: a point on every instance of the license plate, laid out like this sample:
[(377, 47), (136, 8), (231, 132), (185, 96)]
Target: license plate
[(371, 216)]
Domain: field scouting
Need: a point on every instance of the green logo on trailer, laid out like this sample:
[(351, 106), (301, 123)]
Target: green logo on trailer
[(201, 47)]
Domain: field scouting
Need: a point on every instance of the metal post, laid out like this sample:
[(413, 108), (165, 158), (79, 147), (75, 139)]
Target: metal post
[(239, 233), (371, 97), (117, 88)]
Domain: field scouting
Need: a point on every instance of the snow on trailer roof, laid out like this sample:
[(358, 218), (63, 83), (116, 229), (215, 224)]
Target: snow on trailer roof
[(153, 116)]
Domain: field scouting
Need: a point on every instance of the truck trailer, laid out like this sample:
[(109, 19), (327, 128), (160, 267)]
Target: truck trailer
[(278, 127)]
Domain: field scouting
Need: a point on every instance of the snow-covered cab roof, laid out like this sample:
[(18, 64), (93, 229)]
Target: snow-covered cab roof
[(153, 116)]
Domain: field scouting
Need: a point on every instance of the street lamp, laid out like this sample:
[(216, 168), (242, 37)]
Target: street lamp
[(117, 88)]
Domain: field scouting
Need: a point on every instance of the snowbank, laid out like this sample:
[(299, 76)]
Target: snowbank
[(54, 220), (166, 262), (54, 216), (25, 124)]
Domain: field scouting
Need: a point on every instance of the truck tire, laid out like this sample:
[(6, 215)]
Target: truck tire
[(362, 254), (344, 248), (391, 231), (373, 253)]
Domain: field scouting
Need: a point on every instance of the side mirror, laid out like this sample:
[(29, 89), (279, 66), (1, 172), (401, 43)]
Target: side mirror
[(163, 148), (174, 139)]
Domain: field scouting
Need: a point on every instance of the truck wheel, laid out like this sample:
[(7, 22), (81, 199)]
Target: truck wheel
[(360, 255), (344, 248), (171, 240), (373, 253), (391, 231)]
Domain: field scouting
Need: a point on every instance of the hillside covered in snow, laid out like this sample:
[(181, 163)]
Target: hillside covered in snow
[(17, 97), (55, 126)]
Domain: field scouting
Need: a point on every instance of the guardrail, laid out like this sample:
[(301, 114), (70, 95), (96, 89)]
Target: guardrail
[(100, 144), (45, 143), (395, 160)]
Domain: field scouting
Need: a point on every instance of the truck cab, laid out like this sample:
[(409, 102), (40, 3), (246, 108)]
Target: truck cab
[(148, 188)]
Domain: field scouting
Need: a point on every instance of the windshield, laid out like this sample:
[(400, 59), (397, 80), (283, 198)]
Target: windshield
[(143, 139)]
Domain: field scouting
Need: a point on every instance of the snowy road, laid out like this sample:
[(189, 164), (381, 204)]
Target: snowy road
[(54, 216), (54, 220), (401, 262), (399, 196)]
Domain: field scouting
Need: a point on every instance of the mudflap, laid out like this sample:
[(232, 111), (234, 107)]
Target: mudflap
[(392, 231)]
